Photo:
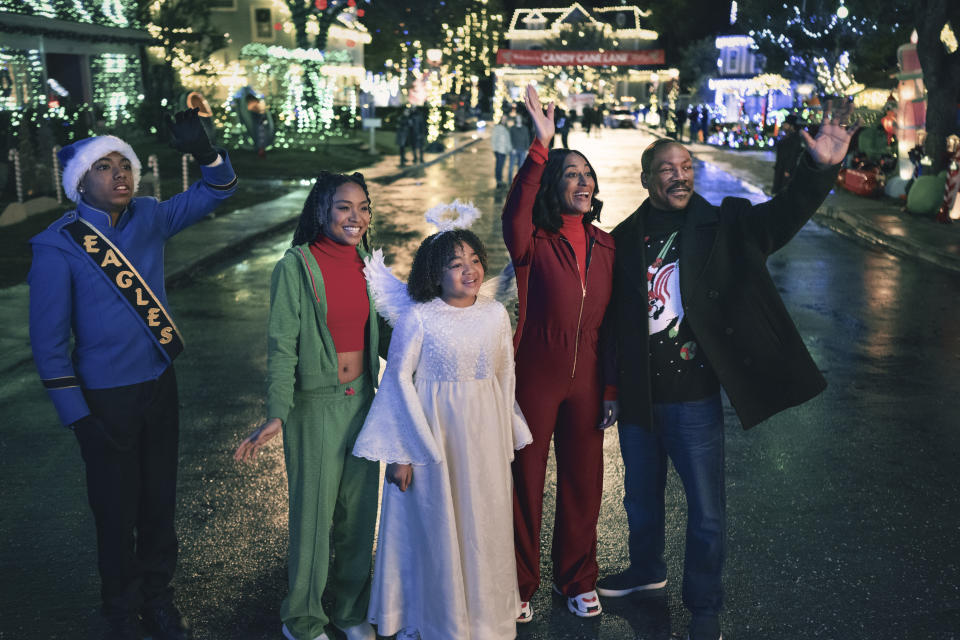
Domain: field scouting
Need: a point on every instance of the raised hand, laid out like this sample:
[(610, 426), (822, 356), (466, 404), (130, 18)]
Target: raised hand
[(542, 122), (187, 135), (833, 139)]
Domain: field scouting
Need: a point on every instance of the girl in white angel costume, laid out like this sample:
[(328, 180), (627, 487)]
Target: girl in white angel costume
[(446, 422)]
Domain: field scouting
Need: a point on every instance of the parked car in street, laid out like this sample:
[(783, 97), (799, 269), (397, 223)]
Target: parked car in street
[(622, 119)]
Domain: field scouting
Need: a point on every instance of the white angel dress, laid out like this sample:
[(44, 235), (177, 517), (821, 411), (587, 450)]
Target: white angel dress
[(445, 564)]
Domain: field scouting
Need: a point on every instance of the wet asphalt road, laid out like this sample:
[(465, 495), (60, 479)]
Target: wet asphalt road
[(844, 514)]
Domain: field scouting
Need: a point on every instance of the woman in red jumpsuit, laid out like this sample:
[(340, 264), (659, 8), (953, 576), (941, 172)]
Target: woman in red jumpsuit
[(564, 267)]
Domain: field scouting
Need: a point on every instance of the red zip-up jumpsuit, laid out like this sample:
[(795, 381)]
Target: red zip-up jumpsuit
[(559, 385)]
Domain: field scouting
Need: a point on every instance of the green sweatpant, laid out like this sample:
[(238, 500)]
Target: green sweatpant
[(333, 500)]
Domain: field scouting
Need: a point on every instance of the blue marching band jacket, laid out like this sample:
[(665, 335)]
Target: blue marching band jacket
[(79, 285)]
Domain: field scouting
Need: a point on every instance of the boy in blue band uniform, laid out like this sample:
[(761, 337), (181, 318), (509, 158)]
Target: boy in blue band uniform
[(117, 389)]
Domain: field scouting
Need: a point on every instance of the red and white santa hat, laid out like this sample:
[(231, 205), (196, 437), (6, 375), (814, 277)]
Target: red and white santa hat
[(77, 158)]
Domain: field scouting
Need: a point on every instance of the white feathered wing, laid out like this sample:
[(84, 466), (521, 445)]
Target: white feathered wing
[(503, 287), (390, 294)]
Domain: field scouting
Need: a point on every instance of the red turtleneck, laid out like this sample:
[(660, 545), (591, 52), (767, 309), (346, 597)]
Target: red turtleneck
[(572, 230), (345, 288)]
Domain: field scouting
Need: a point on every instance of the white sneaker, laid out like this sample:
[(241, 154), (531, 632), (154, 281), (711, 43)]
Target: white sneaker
[(289, 636), (362, 631), (526, 613), (585, 605)]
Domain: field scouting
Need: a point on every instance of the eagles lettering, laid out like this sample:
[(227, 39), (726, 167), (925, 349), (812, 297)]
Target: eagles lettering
[(129, 285), (124, 279), (111, 258)]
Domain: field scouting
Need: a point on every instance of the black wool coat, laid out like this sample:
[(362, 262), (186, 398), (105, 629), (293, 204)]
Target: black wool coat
[(729, 299)]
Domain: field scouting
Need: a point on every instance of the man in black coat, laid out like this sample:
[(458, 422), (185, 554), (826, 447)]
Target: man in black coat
[(697, 273)]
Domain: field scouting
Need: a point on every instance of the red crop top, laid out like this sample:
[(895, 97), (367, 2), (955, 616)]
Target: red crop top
[(348, 307)]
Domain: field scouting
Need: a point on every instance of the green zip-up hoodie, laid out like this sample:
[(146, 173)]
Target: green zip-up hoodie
[(300, 352)]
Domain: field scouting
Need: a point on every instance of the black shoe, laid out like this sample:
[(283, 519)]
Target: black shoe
[(164, 622), (624, 583), (704, 627), (122, 628)]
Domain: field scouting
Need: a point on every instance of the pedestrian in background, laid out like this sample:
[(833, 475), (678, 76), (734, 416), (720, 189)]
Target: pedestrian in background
[(587, 119), (258, 115), (705, 124), (564, 266), (693, 117), (714, 319), (418, 133), (97, 278), (324, 339), (519, 143), (446, 423), (599, 118), (403, 135), (500, 140), (681, 122), (789, 150), (564, 121)]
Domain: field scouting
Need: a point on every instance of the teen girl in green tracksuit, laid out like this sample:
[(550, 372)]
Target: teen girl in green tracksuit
[(324, 340)]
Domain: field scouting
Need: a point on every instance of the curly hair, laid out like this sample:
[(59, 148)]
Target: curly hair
[(546, 205), (432, 258), (317, 207)]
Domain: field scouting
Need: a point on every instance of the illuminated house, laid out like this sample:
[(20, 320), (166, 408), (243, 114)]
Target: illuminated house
[(64, 55), (741, 90), (310, 94), (578, 52), (265, 27)]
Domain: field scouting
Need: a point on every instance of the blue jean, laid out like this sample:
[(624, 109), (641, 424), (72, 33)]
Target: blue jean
[(691, 435), (500, 158), (517, 156)]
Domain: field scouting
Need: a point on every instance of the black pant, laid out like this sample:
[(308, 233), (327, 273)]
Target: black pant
[(132, 489)]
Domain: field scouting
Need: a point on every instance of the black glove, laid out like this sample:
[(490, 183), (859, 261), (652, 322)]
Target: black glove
[(90, 430), (188, 136)]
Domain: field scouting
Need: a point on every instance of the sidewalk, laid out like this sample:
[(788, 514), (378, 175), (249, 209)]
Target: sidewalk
[(207, 242), (877, 221)]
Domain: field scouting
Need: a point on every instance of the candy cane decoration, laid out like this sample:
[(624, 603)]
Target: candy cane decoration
[(14, 157), (950, 190), (154, 164), (58, 187)]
